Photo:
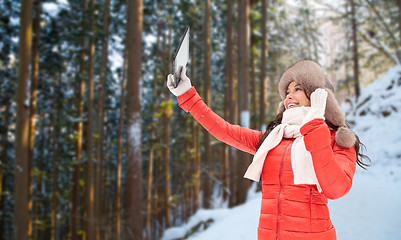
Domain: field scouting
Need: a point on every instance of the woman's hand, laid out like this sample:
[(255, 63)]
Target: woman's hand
[(183, 86), (318, 105)]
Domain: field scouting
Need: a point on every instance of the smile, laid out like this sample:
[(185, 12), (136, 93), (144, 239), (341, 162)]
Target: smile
[(291, 105)]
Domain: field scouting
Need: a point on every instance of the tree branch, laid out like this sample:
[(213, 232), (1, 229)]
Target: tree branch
[(384, 25), (379, 46)]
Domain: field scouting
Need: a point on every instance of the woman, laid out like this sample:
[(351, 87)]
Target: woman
[(306, 155)]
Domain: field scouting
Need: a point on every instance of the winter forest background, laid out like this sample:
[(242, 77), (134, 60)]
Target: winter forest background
[(93, 145)]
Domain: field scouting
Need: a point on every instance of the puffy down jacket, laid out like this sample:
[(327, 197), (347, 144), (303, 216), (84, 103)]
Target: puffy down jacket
[(288, 211)]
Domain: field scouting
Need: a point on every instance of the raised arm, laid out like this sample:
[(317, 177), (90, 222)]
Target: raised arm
[(334, 165), (239, 137)]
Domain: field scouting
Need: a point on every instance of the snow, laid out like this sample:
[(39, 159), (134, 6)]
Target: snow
[(27, 102), (135, 131), (246, 216), (380, 132), (52, 8), (116, 60), (372, 208), (245, 118), (150, 40), (14, 21)]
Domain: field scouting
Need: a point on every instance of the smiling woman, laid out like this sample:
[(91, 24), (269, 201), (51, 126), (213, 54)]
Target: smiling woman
[(305, 156), (296, 96)]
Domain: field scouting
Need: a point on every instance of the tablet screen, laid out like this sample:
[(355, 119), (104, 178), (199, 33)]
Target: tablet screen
[(181, 56)]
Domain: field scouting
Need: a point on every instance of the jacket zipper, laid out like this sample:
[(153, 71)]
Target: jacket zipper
[(280, 191), (310, 209)]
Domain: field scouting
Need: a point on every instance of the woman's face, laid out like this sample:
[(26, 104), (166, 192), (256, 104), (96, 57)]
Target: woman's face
[(296, 96)]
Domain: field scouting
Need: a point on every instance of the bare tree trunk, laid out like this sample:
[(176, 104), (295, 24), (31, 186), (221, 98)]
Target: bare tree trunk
[(134, 155), (305, 31), (159, 194), (151, 137), (253, 89), (243, 90), (22, 174), (33, 101), (229, 100), (263, 72), (167, 114), (186, 204), (117, 200), (149, 190), (197, 167), (37, 231), (233, 86), (272, 96), (91, 200), (56, 164), (355, 50), (77, 164), (195, 141), (253, 117), (100, 119), (207, 75), (104, 227), (79, 107), (110, 224)]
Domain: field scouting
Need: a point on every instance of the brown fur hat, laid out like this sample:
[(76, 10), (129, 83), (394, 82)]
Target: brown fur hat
[(310, 75)]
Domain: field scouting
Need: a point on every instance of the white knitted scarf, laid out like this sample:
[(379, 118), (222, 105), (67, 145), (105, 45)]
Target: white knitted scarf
[(301, 159)]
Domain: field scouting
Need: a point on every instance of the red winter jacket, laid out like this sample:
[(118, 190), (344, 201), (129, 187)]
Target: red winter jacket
[(288, 211)]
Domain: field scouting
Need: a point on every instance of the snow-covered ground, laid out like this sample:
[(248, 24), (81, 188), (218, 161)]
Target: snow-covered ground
[(371, 210)]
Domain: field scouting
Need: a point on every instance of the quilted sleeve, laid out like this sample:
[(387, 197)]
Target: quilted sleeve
[(334, 165), (239, 137)]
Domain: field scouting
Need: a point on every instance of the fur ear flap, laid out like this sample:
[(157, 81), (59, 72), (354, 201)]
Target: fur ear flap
[(345, 137), (334, 113), (280, 107)]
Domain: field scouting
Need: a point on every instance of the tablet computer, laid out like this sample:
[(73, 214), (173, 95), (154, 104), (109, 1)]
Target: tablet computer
[(181, 56)]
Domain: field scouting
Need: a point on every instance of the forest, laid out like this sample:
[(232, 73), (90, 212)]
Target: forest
[(92, 143)]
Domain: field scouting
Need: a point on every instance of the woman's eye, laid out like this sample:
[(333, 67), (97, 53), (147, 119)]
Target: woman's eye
[(298, 89)]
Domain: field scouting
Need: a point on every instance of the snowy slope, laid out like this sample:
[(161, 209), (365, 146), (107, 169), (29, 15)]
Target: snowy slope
[(236, 223), (373, 205), (372, 209), (377, 117)]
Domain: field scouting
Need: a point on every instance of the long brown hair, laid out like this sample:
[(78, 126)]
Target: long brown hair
[(358, 144)]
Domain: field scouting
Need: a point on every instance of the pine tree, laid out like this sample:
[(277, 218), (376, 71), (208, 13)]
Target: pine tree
[(23, 168), (355, 49), (243, 91), (133, 213), (207, 75)]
